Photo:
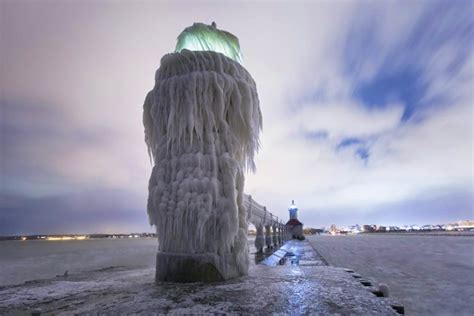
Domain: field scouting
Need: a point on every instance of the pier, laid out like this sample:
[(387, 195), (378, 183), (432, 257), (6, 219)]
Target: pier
[(301, 284)]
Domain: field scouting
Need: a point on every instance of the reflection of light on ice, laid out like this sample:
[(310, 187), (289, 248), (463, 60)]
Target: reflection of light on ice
[(298, 292), (295, 270), (57, 238)]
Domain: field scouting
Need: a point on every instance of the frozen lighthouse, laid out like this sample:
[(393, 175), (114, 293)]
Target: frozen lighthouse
[(202, 122), (294, 226)]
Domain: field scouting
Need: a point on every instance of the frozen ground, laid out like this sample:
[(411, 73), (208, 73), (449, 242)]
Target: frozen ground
[(305, 288), (429, 275)]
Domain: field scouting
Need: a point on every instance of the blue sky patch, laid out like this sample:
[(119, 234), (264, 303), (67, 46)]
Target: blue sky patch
[(349, 142), (403, 87), (403, 75), (363, 153)]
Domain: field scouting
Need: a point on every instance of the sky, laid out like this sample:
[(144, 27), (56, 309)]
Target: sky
[(367, 109)]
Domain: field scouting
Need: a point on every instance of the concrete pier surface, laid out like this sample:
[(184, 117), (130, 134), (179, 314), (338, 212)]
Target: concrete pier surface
[(293, 280)]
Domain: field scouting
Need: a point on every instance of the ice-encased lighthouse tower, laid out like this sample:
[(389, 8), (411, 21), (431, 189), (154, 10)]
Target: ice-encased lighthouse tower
[(202, 120)]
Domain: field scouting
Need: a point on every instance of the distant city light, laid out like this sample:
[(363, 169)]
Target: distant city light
[(56, 238)]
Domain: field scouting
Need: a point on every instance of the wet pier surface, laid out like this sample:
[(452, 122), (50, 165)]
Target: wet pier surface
[(294, 279)]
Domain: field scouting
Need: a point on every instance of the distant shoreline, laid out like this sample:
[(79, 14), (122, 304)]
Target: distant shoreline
[(443, 233), (75, 237), (151, 236)]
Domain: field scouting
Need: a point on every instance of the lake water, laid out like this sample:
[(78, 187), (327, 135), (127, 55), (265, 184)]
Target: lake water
[(22, 261), (429, 275)]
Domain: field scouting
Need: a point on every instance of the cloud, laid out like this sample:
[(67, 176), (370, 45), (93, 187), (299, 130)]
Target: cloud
[(367, 108), (93, 211), (46, 152), (344, 120), (396, 127)]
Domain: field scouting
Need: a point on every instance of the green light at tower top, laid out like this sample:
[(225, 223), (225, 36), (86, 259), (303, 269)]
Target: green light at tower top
[(203, 37)]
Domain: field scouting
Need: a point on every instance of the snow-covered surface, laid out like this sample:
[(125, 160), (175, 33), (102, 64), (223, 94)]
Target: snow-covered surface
[(296, 289), (429, 275), (202, 120)]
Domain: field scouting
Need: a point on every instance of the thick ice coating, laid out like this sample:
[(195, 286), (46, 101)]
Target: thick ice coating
[(202, 122)]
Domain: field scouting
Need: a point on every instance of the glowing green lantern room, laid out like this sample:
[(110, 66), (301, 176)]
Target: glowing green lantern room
[(203, 37)]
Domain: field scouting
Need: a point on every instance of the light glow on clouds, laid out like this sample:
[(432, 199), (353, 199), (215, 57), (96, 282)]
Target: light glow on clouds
[(367, 109)]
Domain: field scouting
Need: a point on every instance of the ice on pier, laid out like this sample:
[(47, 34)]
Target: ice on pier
[(202, 121)]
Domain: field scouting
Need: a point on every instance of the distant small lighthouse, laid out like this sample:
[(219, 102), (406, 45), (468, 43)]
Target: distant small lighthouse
[(294, 225), (293, 210)]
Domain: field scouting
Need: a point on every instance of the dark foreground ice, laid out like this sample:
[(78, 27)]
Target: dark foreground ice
[(300, 285), (428, 274)]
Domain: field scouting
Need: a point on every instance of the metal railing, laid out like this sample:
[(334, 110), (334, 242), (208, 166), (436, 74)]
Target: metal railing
[(270, 229), (258, 214)]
